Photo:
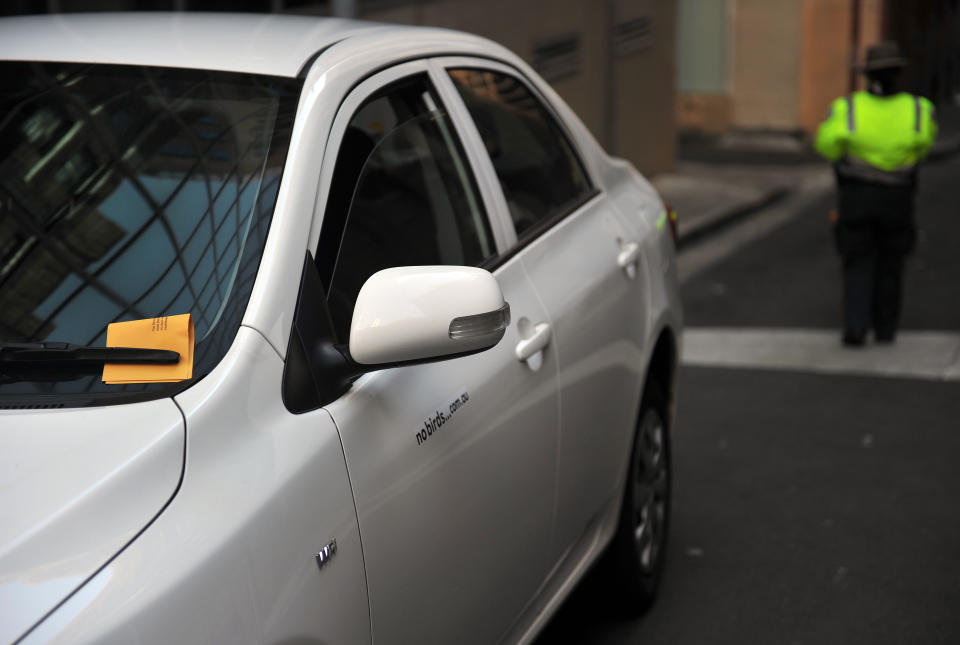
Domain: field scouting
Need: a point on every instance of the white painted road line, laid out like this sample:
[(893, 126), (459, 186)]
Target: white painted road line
[(916, 354)]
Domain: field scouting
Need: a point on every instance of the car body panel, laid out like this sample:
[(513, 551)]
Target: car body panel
[(568, 265), (332, 76), (267, 44), (475, 534), (444, 534), (598, 314), (483, 170), (232, 557), (597, 340), (644, 214), (77, 486), (427, 575)]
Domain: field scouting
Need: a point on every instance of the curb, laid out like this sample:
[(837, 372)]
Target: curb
[(730, 217), (700, 230)]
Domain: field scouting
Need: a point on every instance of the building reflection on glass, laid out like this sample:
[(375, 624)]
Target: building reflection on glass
[(128, 193)]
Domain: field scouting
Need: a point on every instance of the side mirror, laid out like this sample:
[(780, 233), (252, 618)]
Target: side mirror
[(407, 314)]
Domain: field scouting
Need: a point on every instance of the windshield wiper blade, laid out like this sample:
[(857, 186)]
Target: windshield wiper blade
[(53, 353)]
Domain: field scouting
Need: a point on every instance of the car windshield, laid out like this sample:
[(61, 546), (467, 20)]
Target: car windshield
[(129, 193)]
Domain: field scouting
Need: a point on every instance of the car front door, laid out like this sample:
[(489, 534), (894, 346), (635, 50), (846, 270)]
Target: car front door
[(586, 269), (452, 463)]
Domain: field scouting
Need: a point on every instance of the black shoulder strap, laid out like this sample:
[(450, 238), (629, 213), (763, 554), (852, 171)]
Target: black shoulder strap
[(919, 113)]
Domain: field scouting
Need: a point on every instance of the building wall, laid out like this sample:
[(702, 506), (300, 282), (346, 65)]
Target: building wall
[(871, 25), (629, 105), (766, 65), (530, 23), (704, 102), (702, 46), (827, 56), (645, 89), (619, 76), (929, 35), (785, 60)]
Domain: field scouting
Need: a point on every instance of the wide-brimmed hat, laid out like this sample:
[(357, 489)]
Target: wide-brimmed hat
[(885, 55)]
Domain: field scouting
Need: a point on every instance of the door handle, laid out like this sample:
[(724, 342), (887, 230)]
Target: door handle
[(627, 259), (537, 341)]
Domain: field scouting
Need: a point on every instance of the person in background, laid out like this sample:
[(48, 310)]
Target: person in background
[(875, 139)]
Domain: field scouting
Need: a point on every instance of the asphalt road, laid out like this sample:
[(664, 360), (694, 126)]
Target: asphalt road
[(808, 508), (791, 278)]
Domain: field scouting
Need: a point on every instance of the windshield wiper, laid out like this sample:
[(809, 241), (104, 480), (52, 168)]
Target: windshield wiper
[(14, 355)]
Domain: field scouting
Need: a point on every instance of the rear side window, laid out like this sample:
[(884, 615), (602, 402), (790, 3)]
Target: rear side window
[(538, 170), (402, 195)]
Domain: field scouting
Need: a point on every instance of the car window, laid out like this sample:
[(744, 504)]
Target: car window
[(127, 193), (402, 195), (540, 174)]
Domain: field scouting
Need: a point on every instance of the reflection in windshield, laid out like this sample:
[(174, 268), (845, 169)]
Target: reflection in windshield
[(129, 193)]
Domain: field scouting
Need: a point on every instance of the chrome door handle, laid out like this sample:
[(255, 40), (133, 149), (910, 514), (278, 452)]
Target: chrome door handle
[(537, 341), (627, 259)]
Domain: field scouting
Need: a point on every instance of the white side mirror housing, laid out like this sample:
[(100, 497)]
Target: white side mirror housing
[(417, 313)]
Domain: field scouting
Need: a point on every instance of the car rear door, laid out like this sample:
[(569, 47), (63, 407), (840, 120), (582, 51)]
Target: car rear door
[(452, 463), (585, 267)]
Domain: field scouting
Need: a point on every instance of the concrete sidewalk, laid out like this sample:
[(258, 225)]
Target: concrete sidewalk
[(931, 355), (708, 196), (720, 180)]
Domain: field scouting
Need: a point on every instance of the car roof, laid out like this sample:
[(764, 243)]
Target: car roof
[(274, 44)]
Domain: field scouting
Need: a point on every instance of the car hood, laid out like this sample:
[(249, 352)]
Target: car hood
[(76, 485)]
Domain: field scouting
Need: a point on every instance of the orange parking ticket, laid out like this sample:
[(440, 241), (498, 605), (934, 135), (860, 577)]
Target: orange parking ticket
[(166, 332)]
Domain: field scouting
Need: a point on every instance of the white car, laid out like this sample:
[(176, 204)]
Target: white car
[(435, 337)]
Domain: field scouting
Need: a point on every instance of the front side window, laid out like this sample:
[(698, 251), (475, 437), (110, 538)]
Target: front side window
[(129, 193), (538, 170), (402, 195)]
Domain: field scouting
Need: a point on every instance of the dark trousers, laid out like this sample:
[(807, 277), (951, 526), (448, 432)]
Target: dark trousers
[(874, 233), (872, 293)]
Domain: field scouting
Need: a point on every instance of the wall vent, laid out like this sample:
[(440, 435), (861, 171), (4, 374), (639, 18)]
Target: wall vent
[(557, 57), (633, 35)]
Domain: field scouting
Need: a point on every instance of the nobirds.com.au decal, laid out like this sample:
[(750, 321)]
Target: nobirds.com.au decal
[(439, 418)]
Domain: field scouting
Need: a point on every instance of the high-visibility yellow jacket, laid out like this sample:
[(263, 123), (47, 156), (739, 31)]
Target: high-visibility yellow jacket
[(866, 133)]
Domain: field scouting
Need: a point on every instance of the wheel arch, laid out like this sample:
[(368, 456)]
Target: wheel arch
[(659, 390), (660, 380)]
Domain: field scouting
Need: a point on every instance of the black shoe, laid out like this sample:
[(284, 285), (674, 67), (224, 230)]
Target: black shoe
[(853, 338)]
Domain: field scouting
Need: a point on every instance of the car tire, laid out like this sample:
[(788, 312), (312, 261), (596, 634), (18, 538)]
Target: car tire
[(638, 550)]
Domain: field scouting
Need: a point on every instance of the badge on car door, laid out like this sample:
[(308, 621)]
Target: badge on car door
[(325, 554)]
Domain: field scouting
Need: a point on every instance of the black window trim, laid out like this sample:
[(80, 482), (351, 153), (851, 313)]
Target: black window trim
[(547, 105), (539, 229), (523, 241), (494, 259), (321, 209), (593, 187)]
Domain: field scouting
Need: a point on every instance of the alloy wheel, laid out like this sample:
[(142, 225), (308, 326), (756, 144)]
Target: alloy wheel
[(650, 494)]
